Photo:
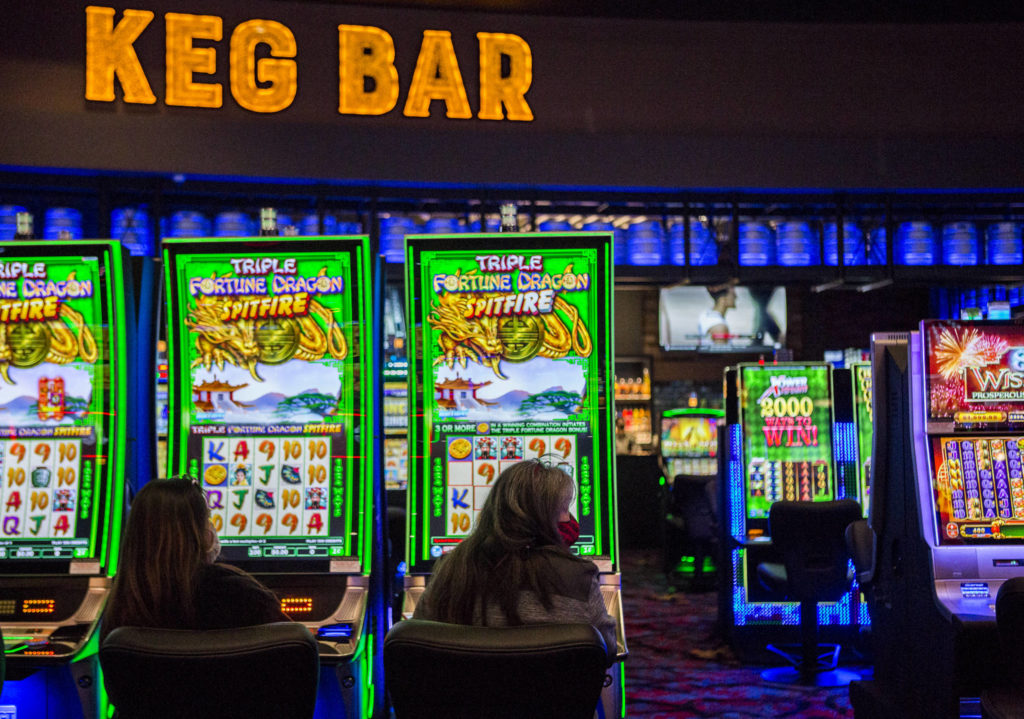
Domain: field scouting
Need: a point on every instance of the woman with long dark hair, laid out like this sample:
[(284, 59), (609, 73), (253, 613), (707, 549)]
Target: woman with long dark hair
[(516, 566), (167, 577)]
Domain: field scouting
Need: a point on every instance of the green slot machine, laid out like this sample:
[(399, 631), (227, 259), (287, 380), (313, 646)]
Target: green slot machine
[(511, 335), (864, 422), (65, 329), (272, 407), (790, 436)]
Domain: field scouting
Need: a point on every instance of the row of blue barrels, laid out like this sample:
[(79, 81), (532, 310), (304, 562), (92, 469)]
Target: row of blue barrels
[(791, 243), (643, 243), (797, 243)]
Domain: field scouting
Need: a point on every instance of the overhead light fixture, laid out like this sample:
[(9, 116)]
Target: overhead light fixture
[(874, 285), (825, 286)]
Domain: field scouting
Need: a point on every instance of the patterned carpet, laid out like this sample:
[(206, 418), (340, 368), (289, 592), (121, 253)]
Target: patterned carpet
[(665, 679)]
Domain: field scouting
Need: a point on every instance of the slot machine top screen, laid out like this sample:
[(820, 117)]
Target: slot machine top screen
[(56, 402), (786, 417), (268, 374), (690, 433), (514, 367), (975, 390)]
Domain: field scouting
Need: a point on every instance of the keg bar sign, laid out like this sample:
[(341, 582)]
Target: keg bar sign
[(512, 356)]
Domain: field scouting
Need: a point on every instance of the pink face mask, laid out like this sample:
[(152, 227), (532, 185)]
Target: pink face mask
[(570, 531)]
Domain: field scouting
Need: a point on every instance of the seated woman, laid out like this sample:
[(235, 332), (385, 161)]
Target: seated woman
[(167, 577), (515, 567)]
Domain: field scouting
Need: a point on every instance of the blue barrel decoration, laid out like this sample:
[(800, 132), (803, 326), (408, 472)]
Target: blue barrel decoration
[(491, 224), (441, 226), (130, 226), (59, 220), (756, 244), (392, 237), (703, 248), (349, 228), (959, 243), (233, 224), (619, 239), (555, 226), (644, 243), (283, 220), (309, 225), (189, 223), (796, 244), (9, 221), (877, 249), (1003, 243), (915, 244), (853, 244)]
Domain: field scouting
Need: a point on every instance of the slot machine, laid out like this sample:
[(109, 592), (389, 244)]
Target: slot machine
[(65, 409), (789, 436), (273, 409), (949, 520), (689, 441), (544, 390), (864, 426)]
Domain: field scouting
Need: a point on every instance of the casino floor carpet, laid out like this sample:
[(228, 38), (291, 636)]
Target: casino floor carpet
[(676, 668)]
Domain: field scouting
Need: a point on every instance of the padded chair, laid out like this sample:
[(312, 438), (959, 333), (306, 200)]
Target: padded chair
[(1006, 701), (270, 671), (691, 525), (461, 672), (810, 538)]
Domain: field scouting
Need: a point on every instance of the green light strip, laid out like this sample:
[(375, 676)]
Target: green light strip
[(173, 411), (683, 411), (116, 470)]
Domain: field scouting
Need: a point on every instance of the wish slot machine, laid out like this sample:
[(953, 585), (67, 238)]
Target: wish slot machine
[(947, 512), (272, 410), (64, 407), (512, 343), (790, 437)]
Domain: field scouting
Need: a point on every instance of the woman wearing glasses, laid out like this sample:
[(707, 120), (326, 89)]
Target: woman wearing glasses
[(167, 577), (516, 567)]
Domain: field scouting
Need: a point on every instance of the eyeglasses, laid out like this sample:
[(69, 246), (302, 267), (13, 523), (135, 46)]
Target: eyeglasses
[(554, 461)]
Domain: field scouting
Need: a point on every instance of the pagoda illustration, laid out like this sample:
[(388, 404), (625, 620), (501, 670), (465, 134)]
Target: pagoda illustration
[(460, 393), (216, 396)]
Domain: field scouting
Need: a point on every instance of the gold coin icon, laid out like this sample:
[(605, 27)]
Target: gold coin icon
[(278, 338), (522, 337), (29, 342), (215, 474), (460, 448)]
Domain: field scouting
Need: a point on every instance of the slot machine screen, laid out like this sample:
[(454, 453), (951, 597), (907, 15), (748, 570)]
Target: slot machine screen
[(689, 442), (55, 404), (268, 378), (512, 370), (786, 417), (975, 381)]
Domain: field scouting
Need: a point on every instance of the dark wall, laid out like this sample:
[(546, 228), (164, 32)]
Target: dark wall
[(618, 103)]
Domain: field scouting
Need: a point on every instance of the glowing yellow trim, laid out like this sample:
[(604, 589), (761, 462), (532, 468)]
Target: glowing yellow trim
[(510, 91), (281, 73), (437, 77), (366, 53), (184, 60), (109, 50)]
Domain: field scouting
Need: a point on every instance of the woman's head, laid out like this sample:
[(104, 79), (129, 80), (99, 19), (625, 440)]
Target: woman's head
[(525, 505), (170, 522), (168, 539)]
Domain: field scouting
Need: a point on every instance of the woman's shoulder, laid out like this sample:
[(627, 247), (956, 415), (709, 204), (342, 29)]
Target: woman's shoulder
[(573, 575)]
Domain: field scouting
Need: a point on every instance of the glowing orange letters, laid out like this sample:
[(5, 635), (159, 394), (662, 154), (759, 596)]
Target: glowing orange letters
[(266, 81)]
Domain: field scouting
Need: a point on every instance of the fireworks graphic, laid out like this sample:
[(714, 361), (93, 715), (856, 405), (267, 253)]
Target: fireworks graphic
[(956, 349)]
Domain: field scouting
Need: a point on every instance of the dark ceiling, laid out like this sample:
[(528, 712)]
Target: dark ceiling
[(872, 11)]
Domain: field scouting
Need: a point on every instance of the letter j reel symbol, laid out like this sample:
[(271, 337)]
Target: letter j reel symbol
[(1015, 359)]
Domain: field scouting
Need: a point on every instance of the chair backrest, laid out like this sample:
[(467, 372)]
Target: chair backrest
[(270, 670), (453, 671), (861, 541), (691, 499), (810, 538), (1010, 624)]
